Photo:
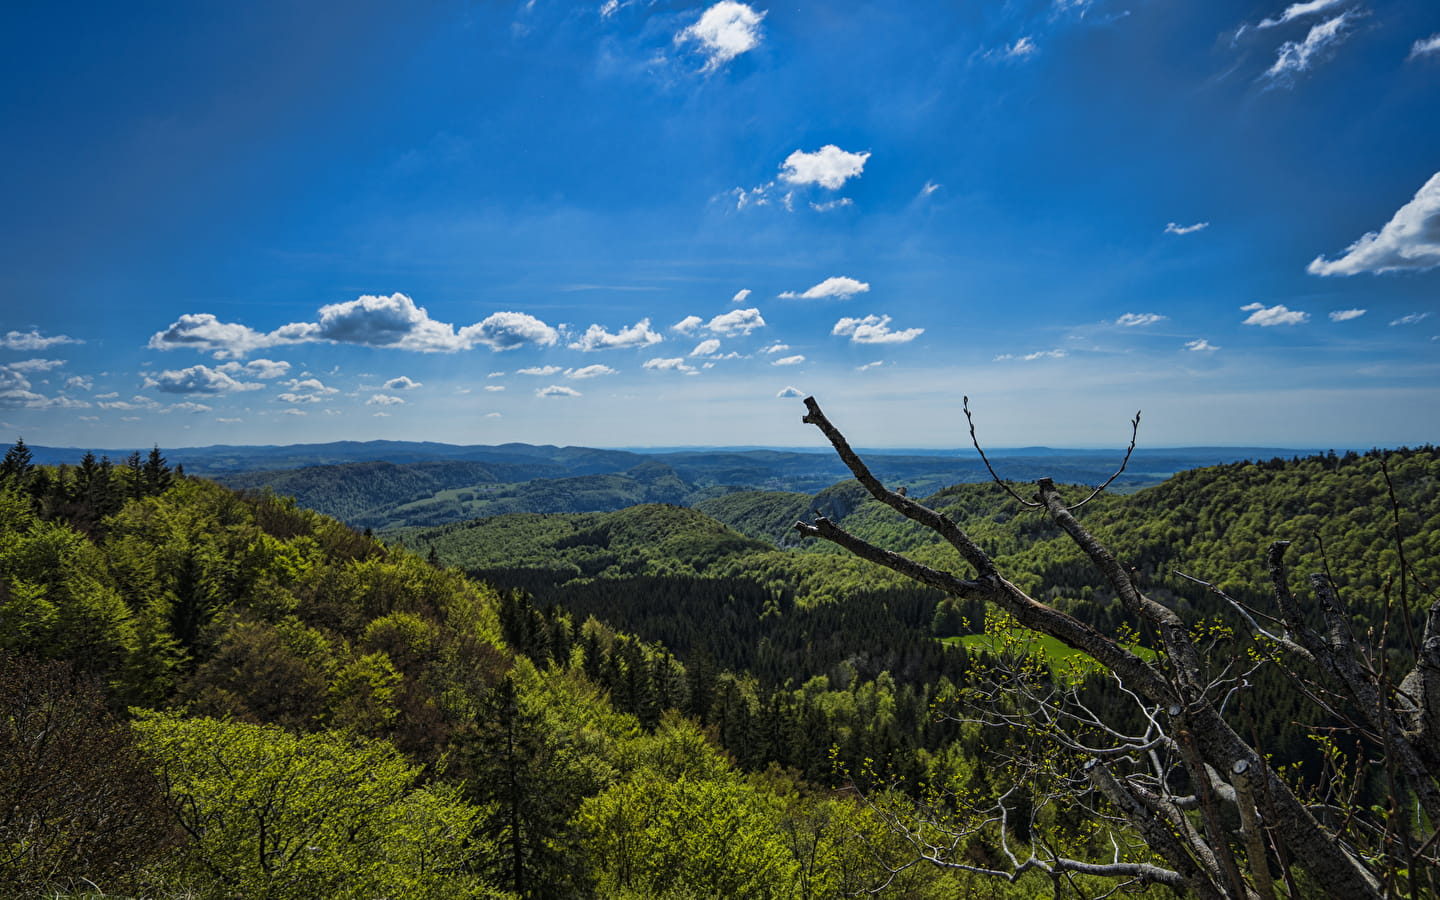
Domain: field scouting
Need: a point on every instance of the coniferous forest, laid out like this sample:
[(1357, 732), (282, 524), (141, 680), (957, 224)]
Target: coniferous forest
[(207, 692)]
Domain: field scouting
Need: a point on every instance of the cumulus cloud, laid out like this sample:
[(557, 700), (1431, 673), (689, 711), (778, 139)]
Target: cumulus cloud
[(597, 338), (402, 383), (1200, 345), (1412, 319), (509, 330), (187, 406), (738, 321), (384, 400), (590, 372), (1425, 46), (256, 368), (1409, 241), (83, 382), (393, 322), (198, 380), (688, 324), (34, 340), (706, 348), (740, 295), (1297, 56), (202, 331), (841, 287), (724, 31), (1266, 317), (874, 330), (136, 402), (828, 167), (1297, 10), (1345, 315), (676, 364), (538, 370), (1133, 320), (310, 385), (557, 390), (790, 393), (1174, 228), (789, 360)]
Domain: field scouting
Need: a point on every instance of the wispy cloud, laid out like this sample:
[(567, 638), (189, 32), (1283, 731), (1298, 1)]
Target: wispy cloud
[(789, 360), (1278, 314), (1409, 241), (1412, 319), (557, 390), (740, 295), (34, 340), (385, 400), (674, 364), (1200, 345), (723, 32), (1135, 320), (594, 371), (1345, 315), (840, 287), (1298, 56), (1425, 47), (542, 371), (1299, 10), (874, 330), (1174, 228), (870, 365)]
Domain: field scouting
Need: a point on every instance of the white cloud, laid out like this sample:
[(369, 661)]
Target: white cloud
[(1345, 315), (1297, 56), (832, 204), (539, 370), (874, 330), (256, 368), (1425, 46), (590, 372), (1022, 48), (790, 393), (1200, 345), (1409, 241), (841, 287), (1296, 10), (1133, 320), (394, 321), (828, 167), (870, 365), (492, 388), (136, 402), (676, 364), (688, 324), (609, 8), (706, 348), (83, 382), (597, 338), (300, 412), (384, 400), (33, 340), (739, 321), (202, 331), (198, 380), (187, 406), (310, 385), (776, 347), (724, 31), (1045, 354), (289, 397), (929, 188), (1265, 317), (496, 375), (789, 360), (1412, 319), (509, 330), (740, 296), (557, 390), (402, 383), (35, 365), (1174, 228)]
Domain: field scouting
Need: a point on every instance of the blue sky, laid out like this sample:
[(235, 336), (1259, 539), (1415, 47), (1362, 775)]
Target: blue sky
[(650, 223)]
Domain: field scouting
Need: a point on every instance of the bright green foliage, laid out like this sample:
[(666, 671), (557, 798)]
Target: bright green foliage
[(275, 815)]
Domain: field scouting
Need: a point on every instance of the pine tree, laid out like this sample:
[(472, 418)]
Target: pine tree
[(17, 465)]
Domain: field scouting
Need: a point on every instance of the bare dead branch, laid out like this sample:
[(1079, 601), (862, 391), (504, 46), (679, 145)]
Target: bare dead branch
[(1134, 433), (985, 459)]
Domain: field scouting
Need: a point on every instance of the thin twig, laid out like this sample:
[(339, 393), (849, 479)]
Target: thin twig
[(998, 480), (1134, 433)]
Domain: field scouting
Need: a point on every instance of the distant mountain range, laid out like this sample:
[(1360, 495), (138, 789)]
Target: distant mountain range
[(386, 484)]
